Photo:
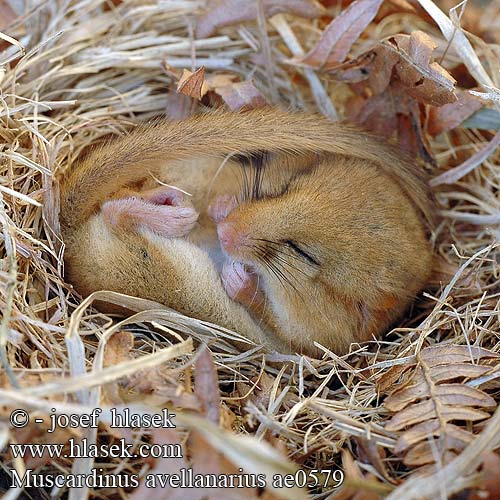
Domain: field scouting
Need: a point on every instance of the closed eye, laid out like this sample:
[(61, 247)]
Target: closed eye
[(299, 251)]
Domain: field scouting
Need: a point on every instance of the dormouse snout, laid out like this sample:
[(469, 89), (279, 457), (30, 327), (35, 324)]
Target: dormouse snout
[(231, 237)]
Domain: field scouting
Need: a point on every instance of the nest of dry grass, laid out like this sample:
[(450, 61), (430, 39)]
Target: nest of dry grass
[(412, 416)]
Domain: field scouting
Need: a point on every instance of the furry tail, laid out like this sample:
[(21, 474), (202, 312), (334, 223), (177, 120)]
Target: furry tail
[(130, 158)]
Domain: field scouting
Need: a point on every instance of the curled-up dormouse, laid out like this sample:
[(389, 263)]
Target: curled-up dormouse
[(286, 227)]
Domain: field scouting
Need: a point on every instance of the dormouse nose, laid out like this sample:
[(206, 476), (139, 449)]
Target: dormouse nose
[(231, 238)]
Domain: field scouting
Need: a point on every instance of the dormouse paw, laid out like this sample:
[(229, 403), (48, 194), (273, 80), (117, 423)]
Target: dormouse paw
[(163, 210), (221, 207), (240, 284)]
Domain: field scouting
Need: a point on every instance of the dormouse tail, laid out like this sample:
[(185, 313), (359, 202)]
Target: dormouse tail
[(130, 158)]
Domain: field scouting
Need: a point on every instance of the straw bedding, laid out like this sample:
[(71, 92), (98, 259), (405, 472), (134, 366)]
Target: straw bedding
[(75, 72)]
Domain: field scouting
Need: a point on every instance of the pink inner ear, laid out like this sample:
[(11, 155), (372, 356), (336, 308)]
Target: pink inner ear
[(164, 196), (221, 207), (164, 219)]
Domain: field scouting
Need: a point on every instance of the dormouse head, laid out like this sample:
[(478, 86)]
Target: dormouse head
[(319, 230), (311, 219)]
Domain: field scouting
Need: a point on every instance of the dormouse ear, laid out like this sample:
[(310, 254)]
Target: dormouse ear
[(165, 211), (221, 207)]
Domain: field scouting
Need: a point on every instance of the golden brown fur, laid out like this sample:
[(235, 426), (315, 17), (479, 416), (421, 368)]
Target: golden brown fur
[(339, 214)]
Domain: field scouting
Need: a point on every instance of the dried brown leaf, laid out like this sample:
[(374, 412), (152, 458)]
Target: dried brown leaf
[(393, 376), (371, 452), (431, 428), (118, 350), (241, 96), (214, 81), (450, 116), (206, 385), (416, 434), (341, 33), (424, 79), (450, 394), (375, 67), (356, 486), (349, 466), (399, 75), (381, 68), (355, 70), (448, 354), (193, 84), (427, 452), (228, 12), (426, 410), (206, 460), (405, 59), (460, 394), (443, 373), (179, 106), (458, 41), (379, 114)]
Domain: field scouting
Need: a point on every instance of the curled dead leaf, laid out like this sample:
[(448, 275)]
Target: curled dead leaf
[(375, 67), (406, 59), (424, 79), (193, 84), (395, 79)]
